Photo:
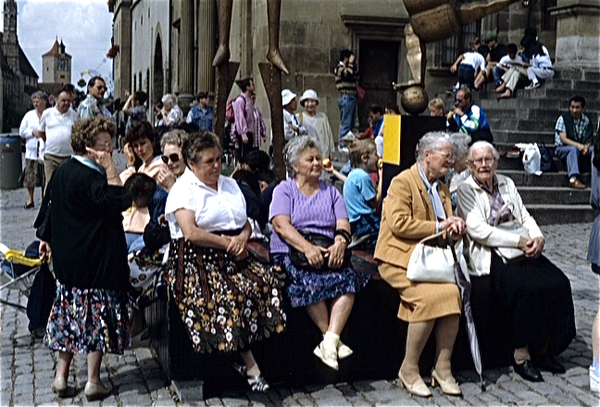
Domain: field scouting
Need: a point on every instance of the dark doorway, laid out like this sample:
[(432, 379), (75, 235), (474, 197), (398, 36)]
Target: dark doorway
[(378, 68), (158, 73)]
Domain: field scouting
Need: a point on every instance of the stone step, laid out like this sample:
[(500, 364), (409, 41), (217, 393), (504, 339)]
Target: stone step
[(522, 124), (508, 146), (554, 195), (547, 179), (522, 136), (521, 101), (516, 163), (545, 214)]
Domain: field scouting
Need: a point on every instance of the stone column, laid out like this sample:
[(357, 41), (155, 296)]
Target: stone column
[(577, 34), (206, 45), (186, 45)]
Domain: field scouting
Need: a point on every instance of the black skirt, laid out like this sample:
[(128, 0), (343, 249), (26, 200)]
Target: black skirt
[(535, 297)]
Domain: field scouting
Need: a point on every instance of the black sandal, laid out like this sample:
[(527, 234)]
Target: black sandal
[(256, 383)]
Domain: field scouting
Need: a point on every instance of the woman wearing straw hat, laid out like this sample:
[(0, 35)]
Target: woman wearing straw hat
[(316, 123)]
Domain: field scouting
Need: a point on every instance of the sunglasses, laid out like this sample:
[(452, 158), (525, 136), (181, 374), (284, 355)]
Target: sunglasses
[(173, 157)]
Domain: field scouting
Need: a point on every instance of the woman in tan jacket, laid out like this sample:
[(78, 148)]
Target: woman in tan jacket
[(418, 205)]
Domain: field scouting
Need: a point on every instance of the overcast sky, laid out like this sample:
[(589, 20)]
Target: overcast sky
[(84, 26)]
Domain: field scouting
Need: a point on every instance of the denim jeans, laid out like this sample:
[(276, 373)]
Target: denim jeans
[(367, 225), (571, 153), (347, 104), (498, 72)]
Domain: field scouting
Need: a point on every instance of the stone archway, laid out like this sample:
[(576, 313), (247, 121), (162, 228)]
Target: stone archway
[(158, 76)]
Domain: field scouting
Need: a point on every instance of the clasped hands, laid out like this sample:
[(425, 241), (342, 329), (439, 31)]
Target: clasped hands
[(237, 246), (334, 254), (455, 225), (532, 247)]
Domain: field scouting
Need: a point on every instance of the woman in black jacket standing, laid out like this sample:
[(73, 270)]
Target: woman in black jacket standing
[(84, 236)]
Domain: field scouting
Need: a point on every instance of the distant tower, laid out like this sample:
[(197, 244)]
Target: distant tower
[(10, 41), (56, 64)]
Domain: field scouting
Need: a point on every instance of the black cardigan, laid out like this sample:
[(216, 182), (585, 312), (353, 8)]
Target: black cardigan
[(88, 241)]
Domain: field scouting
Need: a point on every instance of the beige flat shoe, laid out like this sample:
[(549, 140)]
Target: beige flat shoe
[(418, 388), (448, 386), (60, 386), (96, 391)]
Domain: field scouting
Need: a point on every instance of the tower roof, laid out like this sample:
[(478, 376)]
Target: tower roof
[(56, 49), (25, 65)]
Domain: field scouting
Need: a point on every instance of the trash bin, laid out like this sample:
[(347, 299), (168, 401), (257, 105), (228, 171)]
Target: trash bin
[(10, 161)]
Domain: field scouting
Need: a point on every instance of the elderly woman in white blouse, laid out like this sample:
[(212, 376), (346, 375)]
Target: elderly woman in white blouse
[(29, 130), (226, 299)]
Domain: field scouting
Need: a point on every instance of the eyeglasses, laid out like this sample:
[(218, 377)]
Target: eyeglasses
[(173, 157), (487, 160)]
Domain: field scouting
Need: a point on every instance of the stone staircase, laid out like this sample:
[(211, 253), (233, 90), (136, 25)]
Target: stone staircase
[(529, 117)]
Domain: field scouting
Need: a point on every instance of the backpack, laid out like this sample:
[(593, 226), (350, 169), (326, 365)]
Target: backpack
[(229, 113), (546, 160)]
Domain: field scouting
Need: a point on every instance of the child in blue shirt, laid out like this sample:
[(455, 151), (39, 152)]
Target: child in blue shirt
[(361, 196)]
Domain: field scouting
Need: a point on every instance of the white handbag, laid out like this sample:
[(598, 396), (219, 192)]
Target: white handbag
[(510, 254), (431, 261)]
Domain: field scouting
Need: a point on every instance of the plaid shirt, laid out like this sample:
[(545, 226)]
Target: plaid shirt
[(496, 201), (580, 126)]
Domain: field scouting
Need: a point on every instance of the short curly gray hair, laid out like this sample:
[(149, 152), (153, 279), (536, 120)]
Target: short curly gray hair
[(175, 137), (41, 95), (460, 141), (295, 148), (431, 141)]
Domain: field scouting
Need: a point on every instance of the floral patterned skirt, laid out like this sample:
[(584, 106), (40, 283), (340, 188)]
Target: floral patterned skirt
[(88, 320), (306, 287), (225, 305)]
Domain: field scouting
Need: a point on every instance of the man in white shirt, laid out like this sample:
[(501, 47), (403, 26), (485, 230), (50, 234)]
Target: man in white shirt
[(471, 66), (55, 125)]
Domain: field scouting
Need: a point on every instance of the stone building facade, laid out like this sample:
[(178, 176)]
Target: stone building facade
[(173, 43)]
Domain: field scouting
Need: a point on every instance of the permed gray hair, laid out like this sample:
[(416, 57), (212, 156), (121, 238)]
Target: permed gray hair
[(41, 95), (431, 141), (483, 144), (295, 148), (460, 141), (168, 98), (175, 137)]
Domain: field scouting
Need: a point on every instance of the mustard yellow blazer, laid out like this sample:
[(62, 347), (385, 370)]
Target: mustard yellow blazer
[(407, 217)]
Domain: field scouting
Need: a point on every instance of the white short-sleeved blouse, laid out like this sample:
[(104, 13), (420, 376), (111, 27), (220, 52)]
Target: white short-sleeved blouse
[(220, 210)]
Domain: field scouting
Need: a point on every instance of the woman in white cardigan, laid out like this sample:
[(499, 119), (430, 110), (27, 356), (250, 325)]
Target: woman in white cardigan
[(532, 295)]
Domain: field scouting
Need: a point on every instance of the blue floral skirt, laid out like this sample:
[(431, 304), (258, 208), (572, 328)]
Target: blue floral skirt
[(225, 304), (88, 320), (307, 287)]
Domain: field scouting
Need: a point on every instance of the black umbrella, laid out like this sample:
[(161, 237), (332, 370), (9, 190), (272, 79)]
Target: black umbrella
[(465, 292)]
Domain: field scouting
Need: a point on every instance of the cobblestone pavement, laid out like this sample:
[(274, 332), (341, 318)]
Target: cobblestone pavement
[(27, 367)]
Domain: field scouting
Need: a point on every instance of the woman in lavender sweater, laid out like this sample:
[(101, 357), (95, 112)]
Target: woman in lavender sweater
[(326, 286)]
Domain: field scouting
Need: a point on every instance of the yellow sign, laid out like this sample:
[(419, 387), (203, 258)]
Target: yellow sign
[(391, 138)]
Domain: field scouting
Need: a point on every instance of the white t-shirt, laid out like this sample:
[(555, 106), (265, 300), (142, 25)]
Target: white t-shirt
[(474, 59), (220, 210), (379, 144), (506, 61), (30, 122), (57, 127)]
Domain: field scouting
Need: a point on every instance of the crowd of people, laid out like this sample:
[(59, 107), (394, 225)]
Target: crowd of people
[(171, 217)]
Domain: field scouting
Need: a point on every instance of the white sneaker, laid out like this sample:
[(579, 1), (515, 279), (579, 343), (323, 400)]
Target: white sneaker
[(343, 351), (534, 85), (594, 380), (327, 355)]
